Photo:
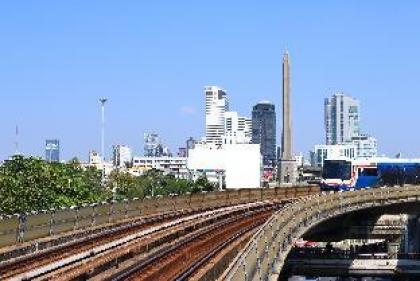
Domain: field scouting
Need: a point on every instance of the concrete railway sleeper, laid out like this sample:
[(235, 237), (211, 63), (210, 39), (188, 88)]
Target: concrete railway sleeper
[(100, 252)]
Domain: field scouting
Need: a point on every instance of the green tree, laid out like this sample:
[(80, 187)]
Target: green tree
[(31, 184)]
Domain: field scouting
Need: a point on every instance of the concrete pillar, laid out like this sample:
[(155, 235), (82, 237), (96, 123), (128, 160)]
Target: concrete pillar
[(413, 235)]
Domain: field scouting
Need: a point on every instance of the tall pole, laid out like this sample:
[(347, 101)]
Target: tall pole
[(103, 101), (17, 140)]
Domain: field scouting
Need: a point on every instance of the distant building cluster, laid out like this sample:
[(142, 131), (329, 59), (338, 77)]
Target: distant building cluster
[(222, 125), (343, 137), (229, 148), (240, 152)]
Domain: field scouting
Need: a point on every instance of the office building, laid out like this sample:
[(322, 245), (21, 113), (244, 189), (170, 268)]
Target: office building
[(216, 105), (264, 131), (237, 129), (122, 156), (52, 150), (341, 119)]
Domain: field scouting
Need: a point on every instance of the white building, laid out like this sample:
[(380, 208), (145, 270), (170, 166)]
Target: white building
[(122, 156), (341, 119), (323, 152), (237, 129), (95, 160), (217, 104), (239, 164), (366, 146), (176, 166)]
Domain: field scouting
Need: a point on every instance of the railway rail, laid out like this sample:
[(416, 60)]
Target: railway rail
[(180, 259), (108, 255), (70, 245)]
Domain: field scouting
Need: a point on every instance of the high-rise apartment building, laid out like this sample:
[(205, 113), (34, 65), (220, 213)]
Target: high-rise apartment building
[(264, 131), (122, 156), (341, 119), (217, 104), (52, 150)]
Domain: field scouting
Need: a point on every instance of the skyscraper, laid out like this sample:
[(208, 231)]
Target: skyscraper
[(341, 119), (287, 165), (264, 131), (52, 150), (217, 104)]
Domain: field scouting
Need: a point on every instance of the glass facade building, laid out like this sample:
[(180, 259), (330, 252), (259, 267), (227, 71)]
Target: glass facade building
[(264, 131)]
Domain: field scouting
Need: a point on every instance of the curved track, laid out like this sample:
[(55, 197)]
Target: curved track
[(154, 245)]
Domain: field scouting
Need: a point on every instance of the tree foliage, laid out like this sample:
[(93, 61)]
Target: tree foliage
[(154, 183), (31, 184)]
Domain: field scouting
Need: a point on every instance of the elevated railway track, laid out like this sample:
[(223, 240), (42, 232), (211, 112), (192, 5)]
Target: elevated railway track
[(249, 233), (152, 248), (186, 233)]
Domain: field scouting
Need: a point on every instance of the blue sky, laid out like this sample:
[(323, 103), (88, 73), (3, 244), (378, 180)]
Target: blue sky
[(153, 58)]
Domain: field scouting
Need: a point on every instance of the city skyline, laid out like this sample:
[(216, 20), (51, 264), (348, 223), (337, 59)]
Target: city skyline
[(57, 79)]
